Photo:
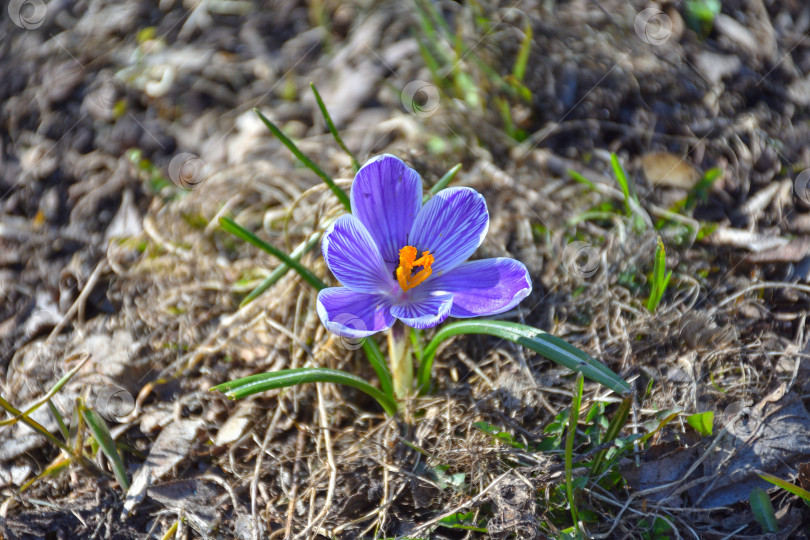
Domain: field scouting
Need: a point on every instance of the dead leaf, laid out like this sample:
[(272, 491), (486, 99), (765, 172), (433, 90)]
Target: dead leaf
[(169, 449), (662, 169), (771, 436), (191, 497)]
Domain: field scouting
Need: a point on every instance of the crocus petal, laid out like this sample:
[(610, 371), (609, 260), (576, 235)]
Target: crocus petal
[(485, 287), (386, 196), (424, 309), (451, 226), (352, 314), (353, 257)]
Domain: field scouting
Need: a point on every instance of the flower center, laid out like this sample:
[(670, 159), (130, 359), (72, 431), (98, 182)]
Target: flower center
[(407, 260)]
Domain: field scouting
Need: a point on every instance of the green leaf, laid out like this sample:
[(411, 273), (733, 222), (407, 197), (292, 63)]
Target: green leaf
[(569, 448), (247, 386), (445, 480), (339, 193), (101, 433), (503, 436), (784, 484), (332, 129), (763, 510), (237, 230), (377, 361), (702, 422), (282, 269), (555, 349), (700, 15), (443, 181), (461, 520)]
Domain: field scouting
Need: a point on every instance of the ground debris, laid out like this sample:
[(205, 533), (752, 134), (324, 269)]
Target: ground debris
[(514, 509), (192, 499), (169, 449), (772, 437)]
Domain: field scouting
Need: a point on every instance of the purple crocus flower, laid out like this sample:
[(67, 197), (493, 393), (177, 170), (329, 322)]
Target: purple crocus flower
[(397, 259)]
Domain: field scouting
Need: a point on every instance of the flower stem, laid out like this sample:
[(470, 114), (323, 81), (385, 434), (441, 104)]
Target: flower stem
[(399, 356)]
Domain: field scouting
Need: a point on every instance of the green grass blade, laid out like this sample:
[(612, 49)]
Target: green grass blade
[(282, 269), (59, 420), (429, 32), (581, 179), (105, 441), (661, 425), (506, 116), (443, 181), (787, 486), (36, 426), (437, 17), (377, 361), (660, 277), (628, 191), (430, 61), (237, 230), (416, 343), (262, 382), (519, 69), (339, 193), (331, 125), (47, 397), (172, 531), (763, 510), (56, 467), (573, 419), (555, 349), (701, 191), (614, 428), (622, 180)]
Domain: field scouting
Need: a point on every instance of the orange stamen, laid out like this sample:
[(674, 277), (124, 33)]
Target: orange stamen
[(407, 260)]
